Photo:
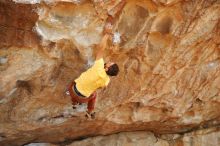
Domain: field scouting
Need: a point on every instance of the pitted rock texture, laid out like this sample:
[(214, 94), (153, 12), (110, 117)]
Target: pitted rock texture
[(169, 59)]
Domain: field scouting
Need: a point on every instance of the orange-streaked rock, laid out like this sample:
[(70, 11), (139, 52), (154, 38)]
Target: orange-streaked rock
[(168, 58)]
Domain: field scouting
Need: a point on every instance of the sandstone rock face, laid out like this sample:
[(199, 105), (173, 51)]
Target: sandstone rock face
[(207, 137), (198, 138), (169, 59)]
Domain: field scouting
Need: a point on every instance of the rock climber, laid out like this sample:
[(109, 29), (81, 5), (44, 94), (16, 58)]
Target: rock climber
[(83, 89)]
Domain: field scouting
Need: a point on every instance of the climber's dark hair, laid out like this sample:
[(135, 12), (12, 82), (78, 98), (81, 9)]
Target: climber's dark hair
[(113, 70)]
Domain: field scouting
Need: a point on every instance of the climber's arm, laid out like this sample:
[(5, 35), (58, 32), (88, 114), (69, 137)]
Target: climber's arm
[(102, 46)]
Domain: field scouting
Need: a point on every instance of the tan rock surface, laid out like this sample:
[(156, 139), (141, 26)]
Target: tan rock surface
[(169, 68), (207, 137), (198, 138)]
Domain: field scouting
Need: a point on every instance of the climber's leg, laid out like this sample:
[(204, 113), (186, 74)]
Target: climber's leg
[(91, 106), (70, 92), (76, 99), (91, 103), (74, 103)]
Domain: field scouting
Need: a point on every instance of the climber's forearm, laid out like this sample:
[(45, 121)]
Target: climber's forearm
[(101, 47)]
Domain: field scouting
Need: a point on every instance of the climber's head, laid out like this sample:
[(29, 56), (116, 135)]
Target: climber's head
[(111, 69)]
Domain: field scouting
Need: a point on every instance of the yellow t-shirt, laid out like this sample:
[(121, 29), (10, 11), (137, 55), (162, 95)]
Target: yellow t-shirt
[(92, 79)]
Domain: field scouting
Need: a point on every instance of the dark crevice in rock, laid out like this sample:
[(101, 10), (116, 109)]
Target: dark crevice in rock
[(24, 84)]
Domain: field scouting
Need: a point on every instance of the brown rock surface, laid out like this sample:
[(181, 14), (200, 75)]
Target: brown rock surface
[(207, 137), (197, 138), (169, 59)]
